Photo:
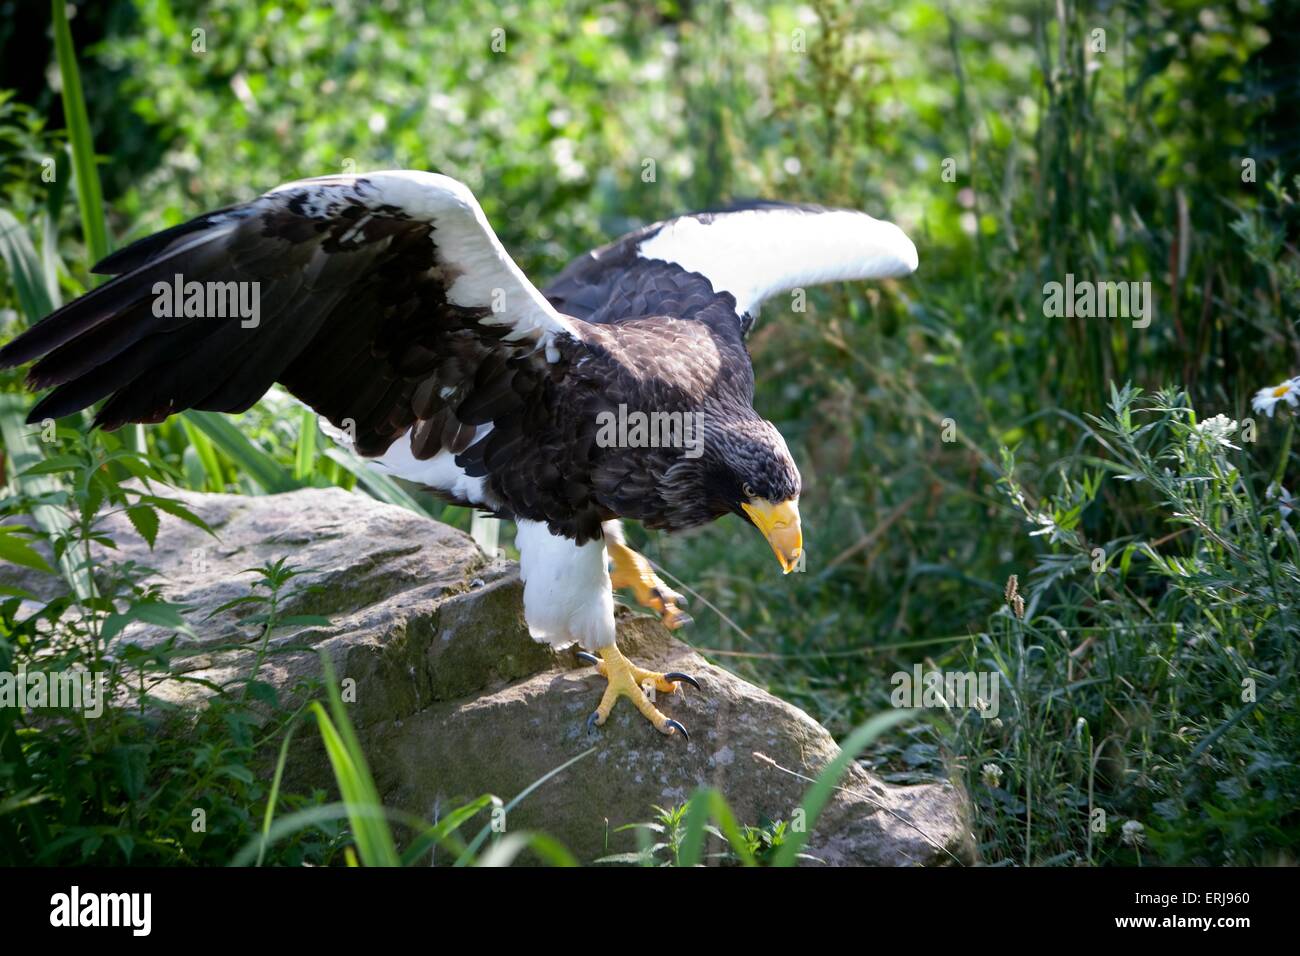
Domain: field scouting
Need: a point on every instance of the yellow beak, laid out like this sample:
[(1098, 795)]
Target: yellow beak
[(780, 525)]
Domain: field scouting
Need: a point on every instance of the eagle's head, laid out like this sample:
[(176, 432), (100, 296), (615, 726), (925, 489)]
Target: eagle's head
[(746, 468)]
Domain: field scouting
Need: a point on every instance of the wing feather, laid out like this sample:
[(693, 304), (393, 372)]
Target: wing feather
[(382, 298), (744, 255)]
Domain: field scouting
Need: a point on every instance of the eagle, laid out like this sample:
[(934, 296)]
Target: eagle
[(386, 303)]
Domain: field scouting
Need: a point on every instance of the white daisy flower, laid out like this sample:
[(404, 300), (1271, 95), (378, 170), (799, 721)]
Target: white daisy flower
[(991, 774), (1217, 431), (1266, 399)]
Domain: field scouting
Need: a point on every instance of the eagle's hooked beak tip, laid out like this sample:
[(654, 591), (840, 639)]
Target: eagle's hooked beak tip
[(779, 524)]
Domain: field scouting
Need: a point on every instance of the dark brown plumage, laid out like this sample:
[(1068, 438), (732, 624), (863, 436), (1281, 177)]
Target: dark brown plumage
[(355, 321), (388, 306), (386, 303)]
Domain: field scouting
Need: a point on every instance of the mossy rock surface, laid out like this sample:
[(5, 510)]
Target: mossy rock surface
[(453, 699)]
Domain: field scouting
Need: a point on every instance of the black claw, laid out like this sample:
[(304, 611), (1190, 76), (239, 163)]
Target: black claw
[(589, 658), (591, 722), (683, 618), (674, 725), (676, 675)]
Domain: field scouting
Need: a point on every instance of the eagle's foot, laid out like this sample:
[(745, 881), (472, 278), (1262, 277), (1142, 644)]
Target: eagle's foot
[(636, 684), (633, 571)]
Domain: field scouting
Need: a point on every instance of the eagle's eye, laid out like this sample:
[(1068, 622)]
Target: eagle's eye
[(749, 492)]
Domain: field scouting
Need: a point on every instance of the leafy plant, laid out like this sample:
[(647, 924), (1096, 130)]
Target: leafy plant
[(1152, 677), (678, 835), (124, 785)]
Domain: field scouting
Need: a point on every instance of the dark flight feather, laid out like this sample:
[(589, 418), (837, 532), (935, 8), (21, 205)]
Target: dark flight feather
[(357, 318)]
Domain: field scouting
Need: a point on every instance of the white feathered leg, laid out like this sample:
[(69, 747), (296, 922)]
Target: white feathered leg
[(567, 595), (567, 598)]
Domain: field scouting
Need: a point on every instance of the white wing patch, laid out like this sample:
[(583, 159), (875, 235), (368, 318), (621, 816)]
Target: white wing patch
[(757, 253), (485, 277)]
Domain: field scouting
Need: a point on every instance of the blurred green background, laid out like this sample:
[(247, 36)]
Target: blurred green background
[(1015, 142)]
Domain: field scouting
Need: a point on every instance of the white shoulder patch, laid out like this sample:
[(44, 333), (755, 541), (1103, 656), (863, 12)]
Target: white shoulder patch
[(485, 275), (440, 472), (757, 253)]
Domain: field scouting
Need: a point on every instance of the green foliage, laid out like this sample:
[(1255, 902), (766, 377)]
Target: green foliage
[(146, 781), (1122, 163), (679, 834), (365, 812), (89, 197), (124, 785), (1152, 677)]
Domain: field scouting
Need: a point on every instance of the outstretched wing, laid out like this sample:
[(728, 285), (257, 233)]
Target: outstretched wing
[(721, 266), (383, 300)]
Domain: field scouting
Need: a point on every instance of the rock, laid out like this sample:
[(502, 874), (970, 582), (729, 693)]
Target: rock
[(507, 736), (453, 699)]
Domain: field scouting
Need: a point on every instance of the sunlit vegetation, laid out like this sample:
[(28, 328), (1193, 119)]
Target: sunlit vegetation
[(950, 432)]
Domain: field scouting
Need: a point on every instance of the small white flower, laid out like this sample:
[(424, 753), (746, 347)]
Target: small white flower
[(1047, 525), (1217, 431), (991, 774), (1266, 399), (1133, 833)]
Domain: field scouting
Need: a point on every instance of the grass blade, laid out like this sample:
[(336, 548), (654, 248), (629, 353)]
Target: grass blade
[(705, 804), (208, 459), (287, 826), (35, 294), (90, 199), (444, 828), (370, 830), (304, 453), (268, 473), (23, 452), (504, 851), (477, 842), (819, 793), (274, 795)]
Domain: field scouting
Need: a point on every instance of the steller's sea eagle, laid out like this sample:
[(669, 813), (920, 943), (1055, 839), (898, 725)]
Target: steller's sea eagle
[(386, 303)]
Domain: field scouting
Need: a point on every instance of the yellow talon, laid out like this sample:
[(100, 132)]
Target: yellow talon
[(638, 685), (633, 571)]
